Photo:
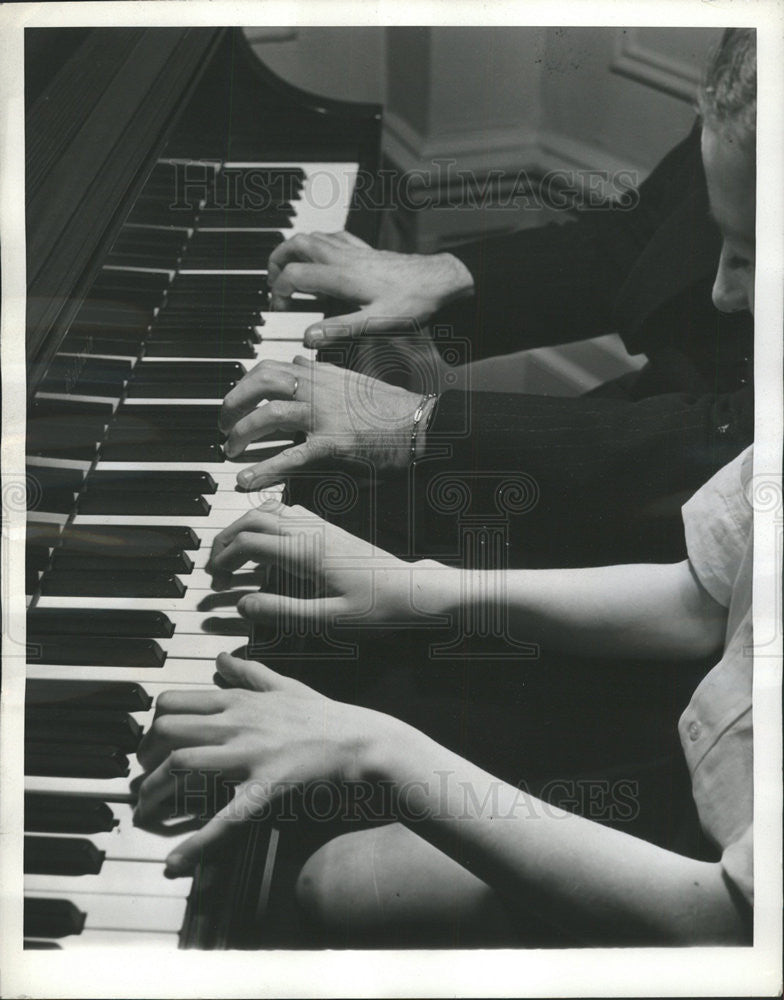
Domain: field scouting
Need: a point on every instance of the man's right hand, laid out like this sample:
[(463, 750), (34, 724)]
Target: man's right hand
[(390, 289)]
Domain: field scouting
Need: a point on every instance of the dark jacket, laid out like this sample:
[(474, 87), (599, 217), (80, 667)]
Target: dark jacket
[(606, 473)]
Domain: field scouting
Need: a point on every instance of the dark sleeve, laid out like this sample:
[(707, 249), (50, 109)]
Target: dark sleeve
[(597, 466), (558, 283)]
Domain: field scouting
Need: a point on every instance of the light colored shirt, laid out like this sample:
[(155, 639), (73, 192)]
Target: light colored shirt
[(716, 728)]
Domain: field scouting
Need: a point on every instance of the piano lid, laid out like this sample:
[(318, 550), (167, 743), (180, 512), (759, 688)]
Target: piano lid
[(93, 130)]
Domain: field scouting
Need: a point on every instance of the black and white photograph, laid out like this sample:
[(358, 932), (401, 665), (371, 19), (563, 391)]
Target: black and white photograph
[(392, 448)]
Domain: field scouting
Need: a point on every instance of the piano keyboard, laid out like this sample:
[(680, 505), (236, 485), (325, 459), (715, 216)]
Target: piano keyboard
[(127, 488)]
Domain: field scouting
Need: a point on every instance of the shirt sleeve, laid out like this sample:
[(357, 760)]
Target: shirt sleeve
[(717, 522), (737, 861)]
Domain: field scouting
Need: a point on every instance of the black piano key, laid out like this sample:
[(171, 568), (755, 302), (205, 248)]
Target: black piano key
[(61, 725), (105, 312), (180, 390), (211, 333), (162, 415), (177, 562), (83, 387), (177, 451), (112, 279), (100, 621), (53, 478), (31, 581), (36, 557), (81, 429), (212, 217), (119, 332), (133, 539), (137, 480), (95, 650), (142, 238), (214, 247), (98, 413), (88, 344), (125, 696), (62, 856), (152, 213), (138, 423), (96, 501), (235, 260), (51, 918), (259, 181), (225, 284), (42, 535), (47, 812), (202, 349), (96, 369), (193, 371), (74, 760), (53, 501), (61, 449), (97, 583), (205, 314), (250, 297)]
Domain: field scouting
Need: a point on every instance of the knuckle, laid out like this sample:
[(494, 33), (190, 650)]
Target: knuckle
[(179, 759), (166, 701), (244, 539)]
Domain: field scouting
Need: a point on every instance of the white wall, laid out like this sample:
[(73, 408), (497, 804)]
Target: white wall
[(506, 97)]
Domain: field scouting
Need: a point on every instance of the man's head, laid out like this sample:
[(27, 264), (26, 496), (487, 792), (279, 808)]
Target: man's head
[(728, 105)]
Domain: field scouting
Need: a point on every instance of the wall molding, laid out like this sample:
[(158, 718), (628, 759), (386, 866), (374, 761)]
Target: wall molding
[(676, 77), (507, 150)]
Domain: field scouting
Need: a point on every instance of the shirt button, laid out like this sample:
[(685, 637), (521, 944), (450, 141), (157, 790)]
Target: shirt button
[(694, 731)]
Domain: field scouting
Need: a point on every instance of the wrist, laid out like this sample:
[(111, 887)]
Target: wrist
[(419, 442), (458, 280), (435, 588), (397, 753)]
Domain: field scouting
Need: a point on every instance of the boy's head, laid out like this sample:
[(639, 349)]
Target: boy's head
[(728, 106)]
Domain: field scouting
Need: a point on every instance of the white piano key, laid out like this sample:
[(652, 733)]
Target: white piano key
[(193, 600), (199, 646), (77, 398), (131, 878), (111, 789), (289, 326), (132, 940), (107, 911), (174, 671)]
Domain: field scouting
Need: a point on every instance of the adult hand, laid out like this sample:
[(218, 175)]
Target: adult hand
[(392, 290), (343, 414), (351, 576), (268, 733)]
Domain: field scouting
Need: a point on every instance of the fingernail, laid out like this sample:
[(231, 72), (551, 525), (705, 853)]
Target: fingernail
[(176, 865), (316, 335), (248, 605), (245, 478)]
